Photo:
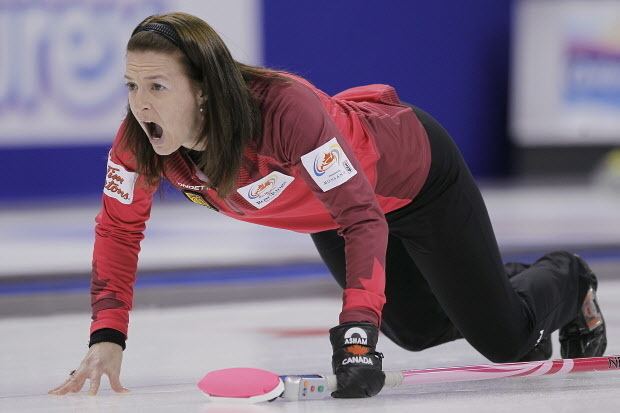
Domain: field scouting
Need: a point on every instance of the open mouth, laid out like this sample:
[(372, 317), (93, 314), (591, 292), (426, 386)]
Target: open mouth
[(154, 130)]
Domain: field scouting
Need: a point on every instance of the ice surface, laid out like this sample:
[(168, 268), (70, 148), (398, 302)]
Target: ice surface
[(169, 350)]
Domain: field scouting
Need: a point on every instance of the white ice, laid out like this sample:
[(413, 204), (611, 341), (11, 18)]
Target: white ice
[(171, 349)]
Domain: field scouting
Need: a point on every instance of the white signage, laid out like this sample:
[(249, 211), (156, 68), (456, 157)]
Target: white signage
[(566, 73), (62, 62)]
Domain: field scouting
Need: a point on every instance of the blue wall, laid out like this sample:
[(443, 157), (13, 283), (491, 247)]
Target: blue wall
[(449, 57), (53, 172)]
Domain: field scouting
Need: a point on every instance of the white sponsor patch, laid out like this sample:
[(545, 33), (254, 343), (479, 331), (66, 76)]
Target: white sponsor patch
[(119, 183), (262, 192), (328, 165)]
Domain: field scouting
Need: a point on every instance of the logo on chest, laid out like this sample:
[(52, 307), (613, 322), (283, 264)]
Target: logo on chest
[(198, 198), (262, 192)]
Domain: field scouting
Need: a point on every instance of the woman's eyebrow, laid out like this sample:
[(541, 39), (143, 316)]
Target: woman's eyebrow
[(152, 77)]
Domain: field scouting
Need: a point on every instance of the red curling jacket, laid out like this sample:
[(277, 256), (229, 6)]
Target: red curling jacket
[(321, 163)]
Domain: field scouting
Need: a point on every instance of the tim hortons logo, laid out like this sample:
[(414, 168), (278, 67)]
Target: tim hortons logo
[(114, 181), (355, 335)]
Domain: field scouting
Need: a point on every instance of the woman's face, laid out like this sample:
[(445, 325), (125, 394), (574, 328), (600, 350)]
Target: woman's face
[(164, 100)]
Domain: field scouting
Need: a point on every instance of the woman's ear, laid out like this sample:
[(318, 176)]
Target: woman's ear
[(201, 97)]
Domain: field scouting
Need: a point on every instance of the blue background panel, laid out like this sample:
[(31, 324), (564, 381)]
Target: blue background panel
[(448, 57), (53, 172)]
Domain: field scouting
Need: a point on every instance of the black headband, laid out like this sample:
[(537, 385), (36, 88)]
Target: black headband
[(162, 29)]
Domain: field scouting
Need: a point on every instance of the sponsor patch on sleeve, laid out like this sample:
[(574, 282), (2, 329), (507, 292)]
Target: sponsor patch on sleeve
[(328, 165), (262, 192), (119, 183)]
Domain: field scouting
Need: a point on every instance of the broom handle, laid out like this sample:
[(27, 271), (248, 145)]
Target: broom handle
[(495, 371), (320, 386)]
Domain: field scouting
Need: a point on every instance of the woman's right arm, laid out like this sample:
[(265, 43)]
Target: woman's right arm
[(126, 206)]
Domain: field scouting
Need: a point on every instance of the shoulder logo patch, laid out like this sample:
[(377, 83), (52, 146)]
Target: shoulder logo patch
[(262, 192), (119, 183), (328, 165)]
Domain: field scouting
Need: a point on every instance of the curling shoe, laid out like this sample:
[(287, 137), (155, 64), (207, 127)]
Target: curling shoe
[(585, 336)]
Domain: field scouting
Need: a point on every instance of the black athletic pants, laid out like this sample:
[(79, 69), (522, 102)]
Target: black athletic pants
[(444, 274)]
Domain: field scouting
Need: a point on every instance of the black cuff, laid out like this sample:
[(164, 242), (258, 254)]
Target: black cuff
[(107, 335)]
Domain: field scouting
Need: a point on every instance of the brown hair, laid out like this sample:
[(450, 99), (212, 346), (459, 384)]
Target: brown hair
[(232, 115)]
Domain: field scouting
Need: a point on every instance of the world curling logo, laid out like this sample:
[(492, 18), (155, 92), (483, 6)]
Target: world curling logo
[(261, 189), (326, 160)]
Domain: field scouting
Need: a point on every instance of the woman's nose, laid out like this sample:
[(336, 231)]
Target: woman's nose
[(141, 101)]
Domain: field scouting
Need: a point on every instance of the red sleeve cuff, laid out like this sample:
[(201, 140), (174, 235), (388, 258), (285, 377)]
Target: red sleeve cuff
[(361, 305)]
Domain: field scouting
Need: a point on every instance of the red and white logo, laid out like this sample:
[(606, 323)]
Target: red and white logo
[(328, 165), (119, 183), (262, 192)]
